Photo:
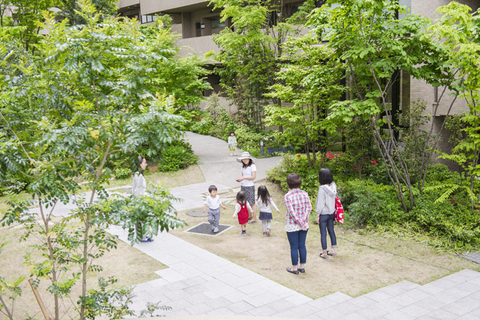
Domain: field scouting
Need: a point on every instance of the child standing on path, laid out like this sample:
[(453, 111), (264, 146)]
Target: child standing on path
[(232, 143), (241, 209), (263, 203), (213, 202)]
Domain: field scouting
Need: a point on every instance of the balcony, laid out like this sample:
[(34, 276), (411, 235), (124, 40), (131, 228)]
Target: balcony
[(124, 4), (172, 6), (197, 45)]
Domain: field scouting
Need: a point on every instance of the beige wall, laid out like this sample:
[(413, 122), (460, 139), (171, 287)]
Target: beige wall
[(197, 45), (151, 6), (127, 3)]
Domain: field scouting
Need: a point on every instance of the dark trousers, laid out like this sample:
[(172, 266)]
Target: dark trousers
[(326, 223), (297, 246)]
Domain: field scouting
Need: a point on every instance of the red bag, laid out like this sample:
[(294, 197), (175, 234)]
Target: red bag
[(338, 211)]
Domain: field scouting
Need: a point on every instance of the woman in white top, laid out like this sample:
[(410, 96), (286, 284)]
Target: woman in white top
[(139, 186), (249, 173)]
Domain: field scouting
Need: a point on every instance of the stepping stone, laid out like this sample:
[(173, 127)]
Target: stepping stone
[(205, 228), (197, 213)]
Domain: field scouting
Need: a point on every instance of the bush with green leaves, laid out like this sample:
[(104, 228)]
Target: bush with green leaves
[(371, 203), (178, 155), (453, 220)]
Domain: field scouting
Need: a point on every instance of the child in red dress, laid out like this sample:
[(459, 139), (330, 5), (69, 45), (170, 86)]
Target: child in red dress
[(241, 209)]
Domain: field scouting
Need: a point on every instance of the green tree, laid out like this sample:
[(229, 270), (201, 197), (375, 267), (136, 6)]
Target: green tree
[(374, 45), (250, 48), (85, 96), (458, 30), (310, 86)]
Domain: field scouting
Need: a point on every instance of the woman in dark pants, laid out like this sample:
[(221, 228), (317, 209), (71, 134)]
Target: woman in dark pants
[(299, 208), (325, 209)]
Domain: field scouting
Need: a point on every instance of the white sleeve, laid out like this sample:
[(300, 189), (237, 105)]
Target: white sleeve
[(254, 167), (237, 209), (273, 204)]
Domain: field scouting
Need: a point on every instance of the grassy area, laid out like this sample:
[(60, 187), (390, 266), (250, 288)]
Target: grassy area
[(127, 264)]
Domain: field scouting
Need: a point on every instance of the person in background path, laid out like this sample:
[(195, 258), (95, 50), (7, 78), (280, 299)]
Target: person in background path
[(232, 143), (325, 209), (263, 203), (249, 173), (139, 186), (299, 208), (242, 207), (213, 202)]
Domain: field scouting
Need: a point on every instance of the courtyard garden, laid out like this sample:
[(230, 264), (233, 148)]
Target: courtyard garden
[(81, 102)]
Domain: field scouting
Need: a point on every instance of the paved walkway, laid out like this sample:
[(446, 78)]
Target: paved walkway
[(198, 282)]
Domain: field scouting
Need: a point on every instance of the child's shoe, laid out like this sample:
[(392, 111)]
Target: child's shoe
[(243, 233), (264, 233), (268, 232), (215, 230)]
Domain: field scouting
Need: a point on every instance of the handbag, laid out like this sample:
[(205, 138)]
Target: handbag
[(338, 211)]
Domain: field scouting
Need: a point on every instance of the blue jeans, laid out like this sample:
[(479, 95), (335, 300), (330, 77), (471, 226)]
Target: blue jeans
[(297, 245), (326, 223)]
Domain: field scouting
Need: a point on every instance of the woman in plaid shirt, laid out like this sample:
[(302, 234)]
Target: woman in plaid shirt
[(298, 209)]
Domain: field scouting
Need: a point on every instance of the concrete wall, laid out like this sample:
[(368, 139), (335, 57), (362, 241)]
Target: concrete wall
[(197, 45), (167, 5)]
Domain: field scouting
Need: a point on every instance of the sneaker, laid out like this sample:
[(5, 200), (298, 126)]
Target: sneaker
[(268, 232), (264, 233), (215, 230), (234, 154), (243, 233), (147, 239)]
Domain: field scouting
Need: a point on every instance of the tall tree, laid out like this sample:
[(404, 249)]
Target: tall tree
[(251, 47), (373, 44), (310, 81), (88, 93)]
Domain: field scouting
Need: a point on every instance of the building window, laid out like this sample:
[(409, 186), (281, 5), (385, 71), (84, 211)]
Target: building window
[(216, 23), (148, 18)]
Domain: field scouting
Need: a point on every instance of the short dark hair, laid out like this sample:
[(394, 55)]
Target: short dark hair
[(294, 180), (232, 132), (241, 197), (211, 188), (325, 176)]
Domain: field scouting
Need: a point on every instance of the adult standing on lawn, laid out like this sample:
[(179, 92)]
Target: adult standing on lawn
[(299, 208), (325, 209), (139, 186), (249, 173)]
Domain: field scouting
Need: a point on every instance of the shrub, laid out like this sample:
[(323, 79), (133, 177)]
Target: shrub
[(371, 203), (122, 173), (178, 155), (455, 220)]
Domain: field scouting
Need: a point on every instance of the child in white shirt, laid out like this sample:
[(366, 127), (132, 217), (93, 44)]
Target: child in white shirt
[(213, 202)]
